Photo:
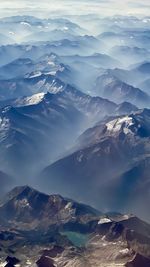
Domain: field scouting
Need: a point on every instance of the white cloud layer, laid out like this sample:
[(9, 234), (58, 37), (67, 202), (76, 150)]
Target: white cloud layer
[(48, 7)]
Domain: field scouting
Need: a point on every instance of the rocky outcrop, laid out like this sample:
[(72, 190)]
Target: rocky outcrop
[(139, 261), (11, 261), (45, 261)]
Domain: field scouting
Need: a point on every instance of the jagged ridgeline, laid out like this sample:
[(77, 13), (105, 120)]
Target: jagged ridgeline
[(75, 125), (50, 230)]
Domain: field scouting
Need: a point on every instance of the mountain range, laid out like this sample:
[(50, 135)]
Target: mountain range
[(55, 118), (62, 231), (75, 124), (109, 86), (122, 143)]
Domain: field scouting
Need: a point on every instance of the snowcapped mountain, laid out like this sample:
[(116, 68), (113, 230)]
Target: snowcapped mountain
[(45, 78), (55, 118), (34, 52), (22, 76), (46, 64), (135, 125), (121, 143), (31, 100), (35, 83), (70, 125), (42, 118)]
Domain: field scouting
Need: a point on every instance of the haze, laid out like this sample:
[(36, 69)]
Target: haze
[(47, 8)]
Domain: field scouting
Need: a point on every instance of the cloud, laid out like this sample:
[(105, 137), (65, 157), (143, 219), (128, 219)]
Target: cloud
[(49, 7)]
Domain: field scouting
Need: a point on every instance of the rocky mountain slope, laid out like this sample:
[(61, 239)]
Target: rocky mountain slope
[(122, 143), (112, 88), (55, 118), (61, 231)]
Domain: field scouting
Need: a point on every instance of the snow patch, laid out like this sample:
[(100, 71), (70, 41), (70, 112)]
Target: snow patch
[(80, 157), (95, 150), (68, 206), (25, 23), (65, 28), (104, 220), (36, 74), (12, 33), (51, 73), (23, 203), (124, 252), (35, 99), (126, 217), (4, 124), (146, 20), (121, 123), (51, 63), (31, 100)]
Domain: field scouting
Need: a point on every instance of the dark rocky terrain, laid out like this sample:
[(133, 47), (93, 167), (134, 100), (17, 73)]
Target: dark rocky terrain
[(42, 230)]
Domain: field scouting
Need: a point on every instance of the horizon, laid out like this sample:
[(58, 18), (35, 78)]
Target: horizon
[(72, 7)]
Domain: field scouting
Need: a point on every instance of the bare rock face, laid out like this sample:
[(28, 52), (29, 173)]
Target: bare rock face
[(52, 253), (11, 261), (25, 205), (49, 230), (45, 261), (139, 261)]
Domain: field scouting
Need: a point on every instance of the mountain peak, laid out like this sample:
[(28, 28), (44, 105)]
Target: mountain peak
[(17, 192), (22, 188), (25, 204), (136, 123), (30, 100)]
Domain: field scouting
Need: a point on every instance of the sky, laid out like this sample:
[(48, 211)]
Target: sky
[(46, 8)]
